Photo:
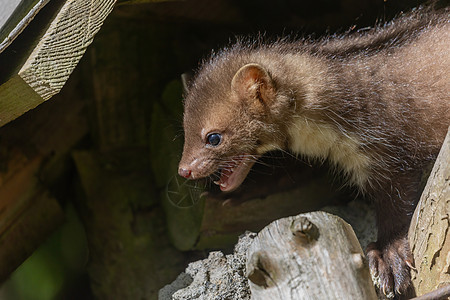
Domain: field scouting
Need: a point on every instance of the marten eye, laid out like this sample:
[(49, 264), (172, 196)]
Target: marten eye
[(214, 139)]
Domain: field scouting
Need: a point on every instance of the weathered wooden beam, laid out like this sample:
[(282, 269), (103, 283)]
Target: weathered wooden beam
[(46, 70), (222, 222), (310, 256), (429, 233), (34, 159), (27, 216)]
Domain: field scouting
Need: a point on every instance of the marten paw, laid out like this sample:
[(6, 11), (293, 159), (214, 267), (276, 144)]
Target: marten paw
[(390, 266)]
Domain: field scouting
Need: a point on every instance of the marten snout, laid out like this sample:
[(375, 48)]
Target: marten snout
[(186, 173), (197, 167)]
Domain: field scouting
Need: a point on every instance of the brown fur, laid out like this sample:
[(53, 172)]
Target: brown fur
[(376, 104)]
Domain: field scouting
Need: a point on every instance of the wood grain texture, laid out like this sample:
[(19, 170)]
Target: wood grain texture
[(34, 225), (28, 215), (16, 97), (429, 233), (63, 45), (35, 172), (310, 256), (52, 61)]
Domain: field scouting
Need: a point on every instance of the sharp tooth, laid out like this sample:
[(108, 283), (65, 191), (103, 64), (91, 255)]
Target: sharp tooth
[(224, 185), (217, 182)]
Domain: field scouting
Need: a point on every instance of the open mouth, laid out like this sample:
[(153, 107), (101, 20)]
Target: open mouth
[(234, 173)]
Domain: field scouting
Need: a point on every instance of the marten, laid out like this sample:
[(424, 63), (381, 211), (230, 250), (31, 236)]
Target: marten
[(375, 104)]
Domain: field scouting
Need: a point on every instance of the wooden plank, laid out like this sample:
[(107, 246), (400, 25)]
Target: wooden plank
[(52, 61), (16, 192), (16, 97), (35, 157), (223, 223), (33, 226), (429, 233), (28, 215)]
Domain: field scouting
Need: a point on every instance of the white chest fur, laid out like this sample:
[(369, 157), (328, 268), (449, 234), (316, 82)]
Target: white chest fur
[(322, 141)]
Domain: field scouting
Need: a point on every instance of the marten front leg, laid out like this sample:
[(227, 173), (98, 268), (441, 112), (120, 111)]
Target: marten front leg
[(390, 258)]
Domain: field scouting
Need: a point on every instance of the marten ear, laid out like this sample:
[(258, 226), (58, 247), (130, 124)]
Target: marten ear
[(186, 79), (252, 82)]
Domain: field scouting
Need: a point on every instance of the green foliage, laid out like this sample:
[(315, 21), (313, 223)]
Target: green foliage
[(54, 267)]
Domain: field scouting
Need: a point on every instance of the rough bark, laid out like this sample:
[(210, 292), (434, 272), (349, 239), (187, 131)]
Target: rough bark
[(217, 277), (429, 233)]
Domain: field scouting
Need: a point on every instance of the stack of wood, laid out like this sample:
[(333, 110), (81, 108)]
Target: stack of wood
[(36, 62)]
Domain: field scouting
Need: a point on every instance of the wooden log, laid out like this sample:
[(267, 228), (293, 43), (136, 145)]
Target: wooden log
[(46, 70), (223, 222), (310, 256), (429, 233)]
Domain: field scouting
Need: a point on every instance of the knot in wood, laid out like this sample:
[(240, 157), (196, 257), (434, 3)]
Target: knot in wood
[(257, 269), (303, 228)]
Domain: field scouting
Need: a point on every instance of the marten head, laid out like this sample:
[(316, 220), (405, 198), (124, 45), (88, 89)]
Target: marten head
[(228, 123)]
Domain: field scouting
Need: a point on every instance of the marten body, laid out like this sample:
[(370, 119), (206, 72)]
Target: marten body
[(376, 105)]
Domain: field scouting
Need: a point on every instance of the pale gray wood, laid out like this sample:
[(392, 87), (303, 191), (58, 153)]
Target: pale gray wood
[(429, 233), (46, 70), (310, 256)]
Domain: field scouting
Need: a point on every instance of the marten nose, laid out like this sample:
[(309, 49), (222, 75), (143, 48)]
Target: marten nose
[(184, 172)]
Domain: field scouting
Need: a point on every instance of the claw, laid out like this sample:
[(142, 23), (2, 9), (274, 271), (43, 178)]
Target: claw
[(389, 291), (410, 265)]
